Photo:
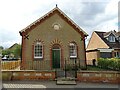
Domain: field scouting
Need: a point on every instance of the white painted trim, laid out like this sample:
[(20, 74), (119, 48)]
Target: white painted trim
[(105, 50), (73, 56), (36, 57)]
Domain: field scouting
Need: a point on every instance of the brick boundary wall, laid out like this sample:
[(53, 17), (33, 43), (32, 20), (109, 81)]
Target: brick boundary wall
[(99, 76), (82, 76), (28, 75)]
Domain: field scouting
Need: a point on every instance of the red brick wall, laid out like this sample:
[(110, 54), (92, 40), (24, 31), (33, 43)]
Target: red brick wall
[(82, 76), (31, 75), (98, 76)]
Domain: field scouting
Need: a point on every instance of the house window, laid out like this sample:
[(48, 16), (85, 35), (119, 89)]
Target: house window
[(119, 39), (73, 50), (117, 54), (111, 38), (105, 55), (38, 50)]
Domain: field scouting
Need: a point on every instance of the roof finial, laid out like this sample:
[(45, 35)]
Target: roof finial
[(56, 5)]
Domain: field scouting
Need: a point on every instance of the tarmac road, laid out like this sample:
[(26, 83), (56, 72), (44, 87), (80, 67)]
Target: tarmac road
[(38, 85)]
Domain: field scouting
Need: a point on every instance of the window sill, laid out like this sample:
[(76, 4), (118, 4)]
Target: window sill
[(38, 58), (73, 57)]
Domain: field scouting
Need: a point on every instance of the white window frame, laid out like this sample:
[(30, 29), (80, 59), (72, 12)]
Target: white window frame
[(117, 54), (111, 38), (119, 38), (40, 44), (75, 50)]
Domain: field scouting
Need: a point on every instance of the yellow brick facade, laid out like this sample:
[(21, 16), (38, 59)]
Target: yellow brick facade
[(95, 42), (45, 33)]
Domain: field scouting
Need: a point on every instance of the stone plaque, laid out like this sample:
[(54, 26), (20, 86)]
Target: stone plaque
[(48, 74), (38, 74), (85, 75), (26, 74)]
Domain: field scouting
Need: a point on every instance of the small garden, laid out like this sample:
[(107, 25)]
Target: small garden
[(104, 64)]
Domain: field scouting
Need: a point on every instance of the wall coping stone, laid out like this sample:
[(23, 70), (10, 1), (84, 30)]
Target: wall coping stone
[(28, 70), (117, 72)]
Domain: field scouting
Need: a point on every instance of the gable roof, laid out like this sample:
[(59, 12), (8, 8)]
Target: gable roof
[(118, 34), (14, 45), (55, 10), (106, 34), (111, 45)]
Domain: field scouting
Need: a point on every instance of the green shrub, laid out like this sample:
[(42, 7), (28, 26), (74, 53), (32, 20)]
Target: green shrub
[(103, 63), (109, 63), (118, 64)]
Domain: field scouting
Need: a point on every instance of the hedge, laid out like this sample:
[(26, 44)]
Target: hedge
[(109, 63)]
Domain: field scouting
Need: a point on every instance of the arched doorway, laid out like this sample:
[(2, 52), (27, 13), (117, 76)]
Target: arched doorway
[(56, 56)]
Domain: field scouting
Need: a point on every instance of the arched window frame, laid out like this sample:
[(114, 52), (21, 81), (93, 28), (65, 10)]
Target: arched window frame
[(72, 50), (38, 50)]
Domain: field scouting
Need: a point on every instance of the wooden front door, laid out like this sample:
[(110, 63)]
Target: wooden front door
[(56, 58)]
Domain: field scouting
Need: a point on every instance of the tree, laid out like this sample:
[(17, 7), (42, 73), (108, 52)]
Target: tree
[(17, 51), (1, 47), (14, 52), (6, 52)]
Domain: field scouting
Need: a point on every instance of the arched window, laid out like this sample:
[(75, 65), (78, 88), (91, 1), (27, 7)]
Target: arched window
[(38, 50), (73, 50)]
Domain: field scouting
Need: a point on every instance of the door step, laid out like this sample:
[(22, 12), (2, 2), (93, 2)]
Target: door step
[(66, 81), (65, 78), (61, 82)]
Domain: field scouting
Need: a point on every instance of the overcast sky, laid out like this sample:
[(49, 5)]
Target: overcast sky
[(90, 15)]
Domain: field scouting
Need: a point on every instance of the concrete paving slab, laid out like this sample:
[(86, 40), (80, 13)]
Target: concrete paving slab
[(23, 86), (61, 82)]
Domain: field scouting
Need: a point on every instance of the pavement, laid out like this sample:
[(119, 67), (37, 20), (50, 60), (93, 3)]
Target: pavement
[(37, 84)]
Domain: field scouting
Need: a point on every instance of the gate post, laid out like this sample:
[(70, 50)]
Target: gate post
[(65, 68), (75, 68), (55, 73)]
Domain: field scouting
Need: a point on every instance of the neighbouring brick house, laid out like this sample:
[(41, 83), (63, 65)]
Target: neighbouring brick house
[(11, 52), (103, 45), (50, 39), (12, 48)]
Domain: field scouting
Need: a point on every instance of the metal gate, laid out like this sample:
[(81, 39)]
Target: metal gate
[(69, 70)]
